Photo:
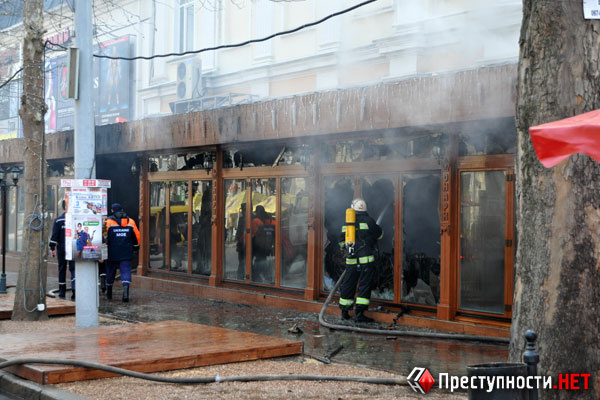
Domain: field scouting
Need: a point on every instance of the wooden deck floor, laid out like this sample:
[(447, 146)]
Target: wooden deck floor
[(146, 347), (55, 306)]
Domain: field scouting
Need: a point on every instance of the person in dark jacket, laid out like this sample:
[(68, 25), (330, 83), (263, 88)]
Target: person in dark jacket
[(123, 237), (57, 249), (262, 228), (360, 267)]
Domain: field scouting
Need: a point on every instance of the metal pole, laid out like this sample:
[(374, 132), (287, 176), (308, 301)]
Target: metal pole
[(531, 357), (3, 276), (86, 272)]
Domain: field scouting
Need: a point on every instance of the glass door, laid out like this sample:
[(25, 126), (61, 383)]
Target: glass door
[(294, 232), (157, 226), (484, 238), (236, 229), (178, 226), (201, 227)]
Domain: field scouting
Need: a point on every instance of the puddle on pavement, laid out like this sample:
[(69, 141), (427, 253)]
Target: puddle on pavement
[(395, 354)]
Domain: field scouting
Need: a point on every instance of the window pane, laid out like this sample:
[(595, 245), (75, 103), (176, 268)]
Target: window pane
[(189, 29), (61, 193), (338, 194), (201, 227), (482, 234), (382, 148), (20, 217), (262, 229), (499, 142), (378, 192), (181, 29), (11, 201), (157, 225), (421, 239), (294, 232), (178, 224), (234, 257), (266, 156), (180, 162)]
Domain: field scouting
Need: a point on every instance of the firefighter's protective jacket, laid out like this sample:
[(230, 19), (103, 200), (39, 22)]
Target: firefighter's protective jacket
[(367, 234), (123, 236)]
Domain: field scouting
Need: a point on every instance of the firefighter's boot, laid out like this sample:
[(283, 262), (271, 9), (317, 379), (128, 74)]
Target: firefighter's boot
[(62, 290), (345, 315), (126, 294), (361, 317), (103, 283), (72, 294), (109, 292)]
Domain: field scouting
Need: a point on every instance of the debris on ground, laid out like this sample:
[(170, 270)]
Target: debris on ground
[(295, 330)]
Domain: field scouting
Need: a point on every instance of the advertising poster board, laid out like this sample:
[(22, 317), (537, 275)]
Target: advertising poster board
[(50, 95), (86, 214), (65, 107), (114, 77), (87, 239)]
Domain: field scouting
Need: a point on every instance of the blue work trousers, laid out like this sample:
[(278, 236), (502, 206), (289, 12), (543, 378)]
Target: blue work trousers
[(111, 270)]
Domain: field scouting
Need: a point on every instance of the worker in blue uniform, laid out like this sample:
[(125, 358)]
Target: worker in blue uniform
[(123, 237), (57, 249)]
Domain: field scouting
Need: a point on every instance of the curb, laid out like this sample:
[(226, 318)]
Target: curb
[(22, 388)]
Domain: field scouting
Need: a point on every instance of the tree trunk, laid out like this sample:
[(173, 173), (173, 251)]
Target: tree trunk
[(557, 285), (31, 284)]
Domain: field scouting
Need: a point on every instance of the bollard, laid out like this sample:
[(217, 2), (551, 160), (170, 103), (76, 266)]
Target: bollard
[(531, 358)]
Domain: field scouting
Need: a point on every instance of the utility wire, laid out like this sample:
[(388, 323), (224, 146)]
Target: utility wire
[(46, 43), (225, 46), (228, 46), (11, 78)]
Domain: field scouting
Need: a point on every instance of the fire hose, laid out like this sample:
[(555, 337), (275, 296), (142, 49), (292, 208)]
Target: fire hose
[(202, 379), (387, 332)]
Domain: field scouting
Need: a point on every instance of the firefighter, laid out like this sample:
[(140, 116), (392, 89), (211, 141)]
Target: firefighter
[(123, 238), (57, 249), (360, 262)]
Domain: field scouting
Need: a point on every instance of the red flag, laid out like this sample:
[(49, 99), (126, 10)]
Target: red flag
[(555, 141)]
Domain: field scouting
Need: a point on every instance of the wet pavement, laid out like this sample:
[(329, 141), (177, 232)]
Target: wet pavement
[(394, 354)]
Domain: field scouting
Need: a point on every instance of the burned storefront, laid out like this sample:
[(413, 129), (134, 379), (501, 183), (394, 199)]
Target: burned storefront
[(247, 203)]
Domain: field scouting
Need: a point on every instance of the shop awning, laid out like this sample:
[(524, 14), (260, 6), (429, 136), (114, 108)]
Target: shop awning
[(555, 141)]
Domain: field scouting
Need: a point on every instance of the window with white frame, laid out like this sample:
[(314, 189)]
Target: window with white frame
[(184, 22)]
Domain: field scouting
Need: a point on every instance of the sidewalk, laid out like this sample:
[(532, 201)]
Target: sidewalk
[(397, 355)]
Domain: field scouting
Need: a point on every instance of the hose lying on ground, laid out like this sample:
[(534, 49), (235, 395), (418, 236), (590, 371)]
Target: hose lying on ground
[(387, 332), (202, 380)]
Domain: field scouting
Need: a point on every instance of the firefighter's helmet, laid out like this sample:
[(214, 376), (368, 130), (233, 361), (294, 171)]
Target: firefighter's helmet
[(359, 205)]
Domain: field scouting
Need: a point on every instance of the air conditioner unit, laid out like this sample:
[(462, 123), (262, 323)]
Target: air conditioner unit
[(189, 79)]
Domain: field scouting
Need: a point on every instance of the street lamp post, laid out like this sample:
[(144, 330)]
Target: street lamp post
[(4, 175)]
